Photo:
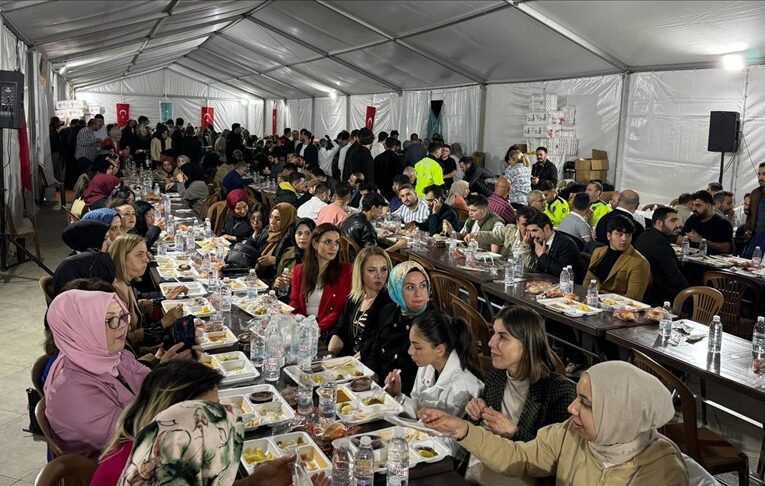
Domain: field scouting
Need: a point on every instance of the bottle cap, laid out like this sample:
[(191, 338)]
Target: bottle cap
[(398, 432), (366, 441)]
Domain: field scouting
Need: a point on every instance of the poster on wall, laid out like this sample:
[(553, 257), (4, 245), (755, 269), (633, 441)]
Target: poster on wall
[(165, 111), (208, 116), (273, 121), (369, 120), (123, 114)]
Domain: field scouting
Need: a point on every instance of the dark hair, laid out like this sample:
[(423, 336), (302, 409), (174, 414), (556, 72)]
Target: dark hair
[(142, 119), (434, 145), (581, 201), (715, 186), (287, 131), (391, 142), (179, 122), (189, 131), (366, 137), (528, 327), (342, 190), (439, 328), (622, 223), (317, 171), (400, 179), (597, 185), (120, 196), (382, 136), (703, 196), (371, 200), (543, 149), (540, 219), (478, 200), (193, 172), (322, 189), (310, 275), (414, 137), (438, 191), (393, 133), (525, 212), (661, 213), (467, 160), (720, 195), (405, 186), (142, 208), (290, 167), (343, 135), (354, 133), (546, 185), (295, 176), (234, 126), (684, 198)]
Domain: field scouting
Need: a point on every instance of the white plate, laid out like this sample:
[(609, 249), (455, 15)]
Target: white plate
[(293, 371), (559, 304), (621, 302), (218, 362), (229, 339), (196, 306), (436, 445), (196, 289), (364, 414), (239, 285), (249, 305), (320, 463), (245, 392), (487, 255)]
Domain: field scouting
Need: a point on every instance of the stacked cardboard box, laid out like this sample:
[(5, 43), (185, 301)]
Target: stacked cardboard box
[(595, 167), (551, 127), (71, 109)]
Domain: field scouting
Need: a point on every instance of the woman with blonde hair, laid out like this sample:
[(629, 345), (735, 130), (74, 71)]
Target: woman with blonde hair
[(518, 172), (354, 332), (457, 194)]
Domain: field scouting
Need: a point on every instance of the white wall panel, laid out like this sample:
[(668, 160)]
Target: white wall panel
[(298, 114), (330, 116)]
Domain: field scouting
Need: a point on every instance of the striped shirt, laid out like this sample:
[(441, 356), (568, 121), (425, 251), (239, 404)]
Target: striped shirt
[(419, 214)]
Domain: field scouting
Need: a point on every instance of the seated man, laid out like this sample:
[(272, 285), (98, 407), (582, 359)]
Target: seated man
[(724, 206), (683, 208), (536, 200), (395, 201), (705, 224), (358, 227), (619, 268), (321, 195), (287, 192), (514, 240), (440, 212), (575, 223), (498, 203), (235, 178), (655, 244), (557, 207), (412, 209), (598, 207), (627, 202), (336, 213), (479, 218), (554, 250)]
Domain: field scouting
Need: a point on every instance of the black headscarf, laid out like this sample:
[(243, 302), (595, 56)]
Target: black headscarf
[(311, 225), (89, 264), (85, 235), (193, 172), (141, 208)]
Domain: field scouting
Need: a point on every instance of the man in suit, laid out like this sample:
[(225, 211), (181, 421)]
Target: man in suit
[(654, 244), (626, 205), (554, 250), (307, 149), (619, 268)]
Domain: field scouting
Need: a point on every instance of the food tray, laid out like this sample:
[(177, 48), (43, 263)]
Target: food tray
[(282, 445), (348, 371), (196, 306), (253, 307), (240, 285), (218, 339), (196, 289), (411, 436), (620, 302), (569, 307), (363, 413), (487, 255), (257, 412), (221, 362)]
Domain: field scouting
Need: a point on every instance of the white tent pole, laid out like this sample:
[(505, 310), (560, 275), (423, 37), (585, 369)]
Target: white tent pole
[(348, 112), (737, 157), (481, 120), (621, 131), (313, 114), (265, 118)]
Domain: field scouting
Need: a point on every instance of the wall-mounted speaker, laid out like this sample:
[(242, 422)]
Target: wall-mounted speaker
[(724, 131)]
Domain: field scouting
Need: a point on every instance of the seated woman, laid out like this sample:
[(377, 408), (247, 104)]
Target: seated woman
[(611, 438), (459, 191), (522, 391), (354, 333), (293, 255), (409, 289), (273, 239), (110, 217), (257, 218), (447, 371), (86, 235), (103, 183), (127, 215), (145, 223), (236, 222), (321, 284), (194, 189), (167, 173)]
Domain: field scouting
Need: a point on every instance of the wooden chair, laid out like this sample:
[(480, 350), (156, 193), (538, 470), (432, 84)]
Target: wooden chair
[(266, 200), (70, 216), (710, 450), (396, 257), (46, 285), (55, 448), (422, 261), (479, 328), (26, 234), (69, 469), (217, 214), (560, 368), (37, 371), (348, 249), (734, 289), (707, 303), (205, 207), (446, 285)]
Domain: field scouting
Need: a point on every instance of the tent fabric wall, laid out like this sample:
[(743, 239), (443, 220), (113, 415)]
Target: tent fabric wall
[(752, 148), (10, 61), (330, 116), (255, 117), (299, 113)]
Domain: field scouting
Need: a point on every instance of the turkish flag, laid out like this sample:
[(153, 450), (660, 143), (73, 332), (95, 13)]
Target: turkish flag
[(369, 121), (208, 116), (25, 170), (273, 121), (123, 114)]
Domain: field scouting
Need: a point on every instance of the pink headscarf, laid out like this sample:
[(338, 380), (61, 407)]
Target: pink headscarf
[(77, 319)]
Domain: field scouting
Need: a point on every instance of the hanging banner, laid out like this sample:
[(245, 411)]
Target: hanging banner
[(369, 120), (208, 116), (26, 171), (123, 114), (165, 111), (273, 121)]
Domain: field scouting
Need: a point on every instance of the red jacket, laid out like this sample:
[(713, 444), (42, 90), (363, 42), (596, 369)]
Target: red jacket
[(332, 300)]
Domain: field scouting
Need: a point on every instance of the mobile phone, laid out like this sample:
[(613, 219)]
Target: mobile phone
[(184, 332)]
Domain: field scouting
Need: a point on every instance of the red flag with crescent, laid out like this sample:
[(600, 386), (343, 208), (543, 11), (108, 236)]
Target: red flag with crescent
[(369, 121), (208, 116), (273, 121), (123, 114)]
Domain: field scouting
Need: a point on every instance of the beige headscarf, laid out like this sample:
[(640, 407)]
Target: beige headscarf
[(643, 404), (458, 189)]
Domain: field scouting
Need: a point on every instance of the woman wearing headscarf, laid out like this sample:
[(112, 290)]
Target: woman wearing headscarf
[(103, 183), (167, 173), (236, 222), (271, 241), (194, 189), (409, 289), (108, 216), (611, 438), (457, 194), (92, 379), (86, 235), (293, 255)]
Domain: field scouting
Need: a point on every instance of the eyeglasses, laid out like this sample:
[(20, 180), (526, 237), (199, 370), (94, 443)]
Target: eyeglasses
[(114, 322)]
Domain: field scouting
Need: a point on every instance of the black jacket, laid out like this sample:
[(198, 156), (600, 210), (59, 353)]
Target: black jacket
[(387, 165), (286, 196), (361, 161), (260, 241), (191, 147), (667, 278), (476, 177), (562, 252), (600, 229), (239, 227), (545, 172), (413, 153), (347, 162), (311, 154), (359, 229), (434, 224), (364, 342), (546, 403)]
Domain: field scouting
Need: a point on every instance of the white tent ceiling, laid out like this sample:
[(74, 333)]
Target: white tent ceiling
[(296, 49)]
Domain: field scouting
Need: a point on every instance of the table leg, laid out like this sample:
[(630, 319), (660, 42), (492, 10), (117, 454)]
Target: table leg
[(761, 462)]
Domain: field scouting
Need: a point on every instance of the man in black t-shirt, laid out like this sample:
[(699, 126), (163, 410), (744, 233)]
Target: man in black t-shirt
[(705, 224)]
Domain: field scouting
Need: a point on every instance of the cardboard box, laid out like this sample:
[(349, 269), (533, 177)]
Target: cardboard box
[(588, 175), (543, 103)]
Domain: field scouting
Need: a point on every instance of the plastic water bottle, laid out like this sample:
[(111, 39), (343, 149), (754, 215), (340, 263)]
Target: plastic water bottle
[(170, 224), (757, 257), (758, 338), (685, 247), (510, 274), (305, 389), (289, 328), (304, 340), (252, 284), (470, 253), (715, 335), (665, 324), (180, 240), (519, 267), (315, 334), (592, 294), (564, 278), (364, 467), (570, 283), (398, 459), (190, 243), (257, 345), (208, 228), (274, 353), (342, 464), (161, 247), (156, 189), (703, 248), (327, 396), (225, 298)]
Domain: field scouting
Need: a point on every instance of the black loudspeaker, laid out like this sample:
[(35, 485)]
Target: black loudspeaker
[(11, 98), (724, 130)]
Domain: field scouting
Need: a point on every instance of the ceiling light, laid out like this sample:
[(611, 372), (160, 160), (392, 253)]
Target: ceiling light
[(733, 62), (333, 94)]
